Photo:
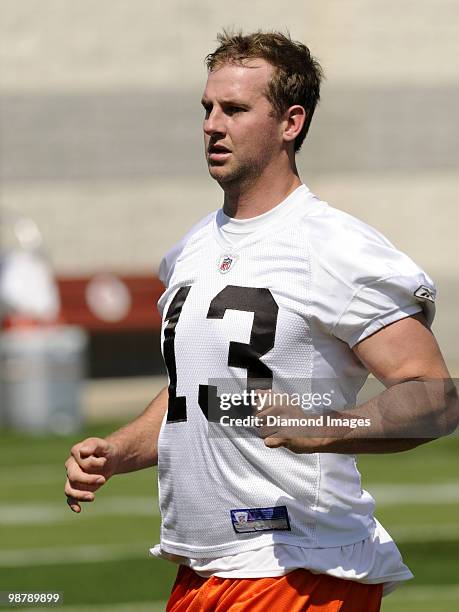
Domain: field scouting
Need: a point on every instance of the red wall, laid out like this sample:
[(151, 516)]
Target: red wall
[(142, 315)]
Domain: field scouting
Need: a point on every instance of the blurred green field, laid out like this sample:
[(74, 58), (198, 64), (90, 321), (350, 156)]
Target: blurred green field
[(99, 559)]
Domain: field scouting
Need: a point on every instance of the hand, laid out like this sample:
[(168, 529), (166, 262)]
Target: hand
[(91, 463), (287, 428)]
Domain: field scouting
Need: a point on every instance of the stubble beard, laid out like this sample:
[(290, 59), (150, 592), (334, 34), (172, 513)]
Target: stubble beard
[(242, 174)]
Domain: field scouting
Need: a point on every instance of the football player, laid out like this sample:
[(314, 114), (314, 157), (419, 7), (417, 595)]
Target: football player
[(277, 291)]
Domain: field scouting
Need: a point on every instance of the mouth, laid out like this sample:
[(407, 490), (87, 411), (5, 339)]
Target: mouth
[(218, 152)]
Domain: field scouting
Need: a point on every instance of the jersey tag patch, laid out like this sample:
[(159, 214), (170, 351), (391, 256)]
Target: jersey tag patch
[(425, 293), (249, 520), (226, 262)]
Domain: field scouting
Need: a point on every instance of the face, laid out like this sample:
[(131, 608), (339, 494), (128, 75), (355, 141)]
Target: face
[(241, 135)]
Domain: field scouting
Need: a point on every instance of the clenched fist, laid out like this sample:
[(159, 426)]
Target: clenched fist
[(91, 463)]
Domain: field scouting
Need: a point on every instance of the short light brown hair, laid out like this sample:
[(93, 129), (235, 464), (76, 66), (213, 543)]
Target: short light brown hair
[(297, 75)]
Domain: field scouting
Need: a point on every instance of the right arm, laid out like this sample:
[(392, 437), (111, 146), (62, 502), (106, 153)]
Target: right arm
[(133, 447)]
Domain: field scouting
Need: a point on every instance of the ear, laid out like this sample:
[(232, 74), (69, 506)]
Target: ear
[(294, 119)]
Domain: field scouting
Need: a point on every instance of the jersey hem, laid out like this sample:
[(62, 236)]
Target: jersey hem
[(209, 552), (282, 572), (390, 582)]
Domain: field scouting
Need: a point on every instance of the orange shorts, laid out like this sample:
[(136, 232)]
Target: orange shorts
[(297, 591)]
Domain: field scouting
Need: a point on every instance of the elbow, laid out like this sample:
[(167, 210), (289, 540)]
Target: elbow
[(452, 411), (441, 405), (449, 414)]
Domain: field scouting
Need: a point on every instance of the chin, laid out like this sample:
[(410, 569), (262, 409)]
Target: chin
[(221, 174), (225, 175)]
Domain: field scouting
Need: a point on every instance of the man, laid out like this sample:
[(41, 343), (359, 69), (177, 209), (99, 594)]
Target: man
[(276, 291)]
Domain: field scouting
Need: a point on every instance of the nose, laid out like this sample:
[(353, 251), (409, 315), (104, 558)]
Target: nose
[(214, 123)]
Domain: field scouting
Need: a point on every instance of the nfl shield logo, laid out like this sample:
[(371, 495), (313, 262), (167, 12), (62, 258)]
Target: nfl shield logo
[(226, 262), (241, 517)]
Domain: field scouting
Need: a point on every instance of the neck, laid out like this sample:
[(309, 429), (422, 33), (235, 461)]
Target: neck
[(244, 201)]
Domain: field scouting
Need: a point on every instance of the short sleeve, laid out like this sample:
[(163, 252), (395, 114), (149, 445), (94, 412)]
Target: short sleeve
[(385, 301)]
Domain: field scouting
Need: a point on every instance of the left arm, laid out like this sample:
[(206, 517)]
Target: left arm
[(420, 403)]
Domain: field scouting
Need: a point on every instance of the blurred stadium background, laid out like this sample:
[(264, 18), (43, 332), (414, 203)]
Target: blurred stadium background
[(101, 146)]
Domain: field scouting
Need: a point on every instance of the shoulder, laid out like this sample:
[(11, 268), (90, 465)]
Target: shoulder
[(360, 280), (352, 250), (168, 262)]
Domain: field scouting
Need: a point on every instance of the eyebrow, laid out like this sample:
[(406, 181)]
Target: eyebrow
[(225, 102)]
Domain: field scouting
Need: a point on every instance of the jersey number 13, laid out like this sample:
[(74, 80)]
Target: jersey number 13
[(240, 355)]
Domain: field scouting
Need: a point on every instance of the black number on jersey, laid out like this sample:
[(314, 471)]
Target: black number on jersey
[(176, 410), (240, 355), (262, 304)]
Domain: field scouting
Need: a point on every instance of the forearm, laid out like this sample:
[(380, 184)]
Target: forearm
[(137, 442), (400, 418)]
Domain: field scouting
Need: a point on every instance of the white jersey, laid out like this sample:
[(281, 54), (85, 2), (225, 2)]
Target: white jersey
[(285, 304)]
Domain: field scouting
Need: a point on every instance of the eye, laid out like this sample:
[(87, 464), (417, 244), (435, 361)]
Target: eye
[(231, 110)]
